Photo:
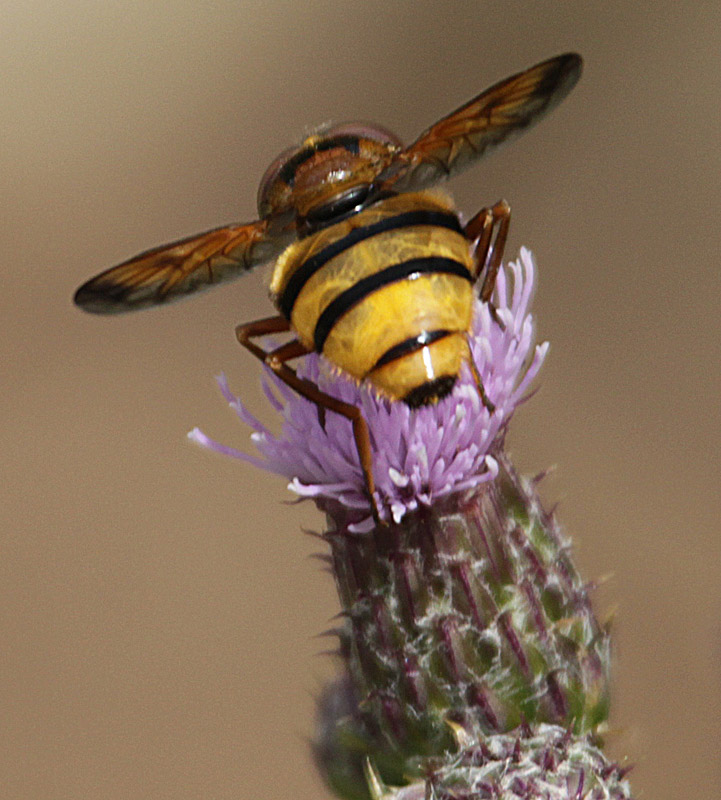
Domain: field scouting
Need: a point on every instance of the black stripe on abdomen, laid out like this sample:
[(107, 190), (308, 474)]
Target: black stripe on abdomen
[(397, 272), (408, 346), (308, 268)]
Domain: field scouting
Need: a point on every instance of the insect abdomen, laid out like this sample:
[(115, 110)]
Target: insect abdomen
[(385, 295)]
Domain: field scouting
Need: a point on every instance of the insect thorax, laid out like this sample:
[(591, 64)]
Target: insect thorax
[(386, 294)]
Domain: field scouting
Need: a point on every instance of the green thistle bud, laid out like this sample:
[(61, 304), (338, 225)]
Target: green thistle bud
[(469, 613)]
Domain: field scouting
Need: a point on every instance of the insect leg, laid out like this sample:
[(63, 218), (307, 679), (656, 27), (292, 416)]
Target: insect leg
[(264, 327), (478, 229), (261, 327), (488, 255), (276, 359), (488, 251), (485, 399)]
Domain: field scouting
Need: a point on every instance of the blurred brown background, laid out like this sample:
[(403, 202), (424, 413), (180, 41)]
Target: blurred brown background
[(159, 605)]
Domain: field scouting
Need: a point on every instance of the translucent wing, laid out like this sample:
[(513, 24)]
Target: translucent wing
[(507, 108), (174, 270)]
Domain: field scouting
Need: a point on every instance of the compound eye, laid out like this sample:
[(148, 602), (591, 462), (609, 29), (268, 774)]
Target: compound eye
[(270, 176), (365, 130)]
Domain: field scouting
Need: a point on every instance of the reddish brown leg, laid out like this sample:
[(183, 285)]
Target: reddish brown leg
[(294, 349), (488, 252), (485, 399), (478, 229), (488, 255), (261, 327)]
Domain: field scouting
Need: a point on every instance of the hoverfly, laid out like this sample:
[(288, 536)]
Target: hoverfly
[(373, 271)]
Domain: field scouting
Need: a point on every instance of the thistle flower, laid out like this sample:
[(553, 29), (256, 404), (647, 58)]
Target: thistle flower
[(419, 456), (470, 654)]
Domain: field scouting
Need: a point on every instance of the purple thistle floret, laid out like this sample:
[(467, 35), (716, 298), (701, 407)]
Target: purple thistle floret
[(418, 455)]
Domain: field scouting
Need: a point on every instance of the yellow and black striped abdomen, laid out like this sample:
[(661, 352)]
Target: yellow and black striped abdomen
[(385, 294)]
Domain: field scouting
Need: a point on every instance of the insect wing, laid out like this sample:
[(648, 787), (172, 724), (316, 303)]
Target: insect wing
[(507, 108), (173, 270)]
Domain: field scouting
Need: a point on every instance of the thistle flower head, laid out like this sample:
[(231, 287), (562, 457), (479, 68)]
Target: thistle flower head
[(473, 665), (419, 455)]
